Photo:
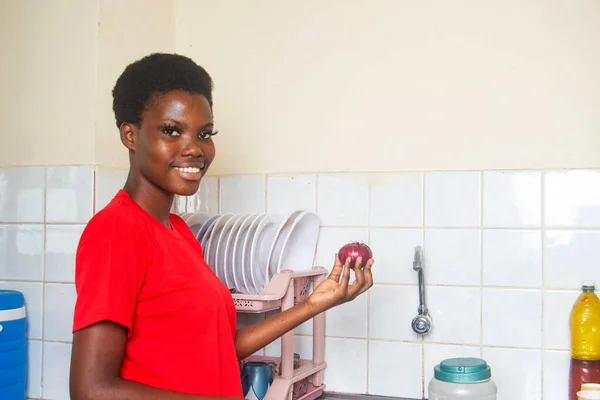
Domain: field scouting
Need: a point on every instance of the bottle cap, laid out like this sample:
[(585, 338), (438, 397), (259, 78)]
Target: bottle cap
[(589, 285), (462, 370)]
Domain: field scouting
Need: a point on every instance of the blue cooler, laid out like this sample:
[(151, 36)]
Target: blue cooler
[(13, 345)]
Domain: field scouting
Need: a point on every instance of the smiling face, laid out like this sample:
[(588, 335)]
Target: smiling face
[(172, 147)]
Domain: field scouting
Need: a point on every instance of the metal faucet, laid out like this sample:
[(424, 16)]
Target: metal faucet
[(421, 324)]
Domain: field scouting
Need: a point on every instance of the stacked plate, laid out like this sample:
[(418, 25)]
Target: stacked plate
[(246, 250)]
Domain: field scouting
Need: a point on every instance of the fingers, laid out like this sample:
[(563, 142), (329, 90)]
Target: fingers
[(364, 279), (345, 277), (359, 281), (368, 283), (336, 272)]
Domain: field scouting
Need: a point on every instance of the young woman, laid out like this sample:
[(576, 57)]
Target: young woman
[(152, 321)]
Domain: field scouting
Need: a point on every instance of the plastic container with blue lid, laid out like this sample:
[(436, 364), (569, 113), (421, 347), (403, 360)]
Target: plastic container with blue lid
[(13, 345), (462, 379)]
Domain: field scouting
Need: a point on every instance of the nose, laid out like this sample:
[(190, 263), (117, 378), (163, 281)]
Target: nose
[(193, 148)]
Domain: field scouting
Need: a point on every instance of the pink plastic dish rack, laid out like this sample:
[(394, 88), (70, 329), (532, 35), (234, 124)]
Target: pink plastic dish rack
[(286, 289)]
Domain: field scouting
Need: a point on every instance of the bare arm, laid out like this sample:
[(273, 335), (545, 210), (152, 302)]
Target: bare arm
[(96, 363), (335, 290)]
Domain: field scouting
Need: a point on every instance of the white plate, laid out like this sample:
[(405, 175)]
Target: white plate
[(227, 248), (300, 245), (204, 228), (261, 243), (205, 237), (220, 253), (270, 266), (196, 221), (237, 264), (211, 246), (247, 254)]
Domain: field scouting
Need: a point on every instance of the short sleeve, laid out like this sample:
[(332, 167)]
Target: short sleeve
[(110, 266)]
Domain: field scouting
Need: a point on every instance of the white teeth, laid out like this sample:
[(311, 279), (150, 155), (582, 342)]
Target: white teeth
[(191, 170)]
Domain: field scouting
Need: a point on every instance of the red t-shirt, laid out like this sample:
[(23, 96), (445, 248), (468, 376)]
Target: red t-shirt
[(132, 270)]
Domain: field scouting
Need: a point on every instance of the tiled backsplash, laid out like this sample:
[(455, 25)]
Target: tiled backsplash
[(505, 253)]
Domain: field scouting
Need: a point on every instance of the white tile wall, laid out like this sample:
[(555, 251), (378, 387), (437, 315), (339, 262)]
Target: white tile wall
[(287, 193), (395, 367), (512, 258), (22, 194), (452, 199), (512, 199), (453, 256), (389, 312), (397, 200), (457, 313), (518, 373), (108, 182), (343, 199), (69, 194), (572, 199), (394, 248), (348, 359), (243, 194), (505, 253), (61, 245)]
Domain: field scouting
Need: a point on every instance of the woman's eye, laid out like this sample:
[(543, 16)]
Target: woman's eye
[(170, 131), (206, 134)]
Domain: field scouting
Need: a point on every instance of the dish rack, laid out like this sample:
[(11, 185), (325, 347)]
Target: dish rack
[(287, 288)]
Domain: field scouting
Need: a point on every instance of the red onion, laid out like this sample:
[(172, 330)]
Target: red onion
[(355, 250)]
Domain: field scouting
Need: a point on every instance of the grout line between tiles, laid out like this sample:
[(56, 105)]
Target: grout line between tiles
[(421, 342), (411, 285), (543, 290), (456, 228), (44, 223), (395, 172), (368, 352), (439, 343), (422, 227), (43, 284), (481, 260)]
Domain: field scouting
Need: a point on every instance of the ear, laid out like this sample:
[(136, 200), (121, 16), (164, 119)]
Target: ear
[(128, 135)]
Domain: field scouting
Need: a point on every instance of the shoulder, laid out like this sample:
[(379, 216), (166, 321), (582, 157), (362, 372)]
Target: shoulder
[(119, 224)]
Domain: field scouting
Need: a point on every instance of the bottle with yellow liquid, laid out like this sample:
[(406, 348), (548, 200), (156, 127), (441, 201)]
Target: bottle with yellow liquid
[(585, 339)]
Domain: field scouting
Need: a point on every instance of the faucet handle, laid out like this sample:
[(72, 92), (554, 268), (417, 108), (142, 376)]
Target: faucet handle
[(421, 324)]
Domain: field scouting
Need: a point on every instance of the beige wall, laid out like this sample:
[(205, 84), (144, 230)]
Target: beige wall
[(60, 61), (342, 85), (380, 85), (47, 81)]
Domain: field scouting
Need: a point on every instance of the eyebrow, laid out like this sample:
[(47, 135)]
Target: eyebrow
[(183, 125)]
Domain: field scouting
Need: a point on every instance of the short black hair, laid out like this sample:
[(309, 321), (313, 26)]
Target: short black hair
[(155, 74)]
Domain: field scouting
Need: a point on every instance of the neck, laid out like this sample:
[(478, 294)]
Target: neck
[(152, 199)]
